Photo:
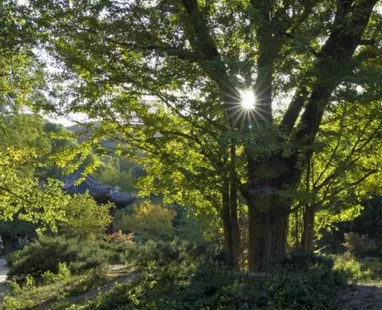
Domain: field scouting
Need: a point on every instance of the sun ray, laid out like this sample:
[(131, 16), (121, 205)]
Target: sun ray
[(247, 100), (248, 108)]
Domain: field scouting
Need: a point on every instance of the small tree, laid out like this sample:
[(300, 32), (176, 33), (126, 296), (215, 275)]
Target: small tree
[(149, 221), (85, 218)]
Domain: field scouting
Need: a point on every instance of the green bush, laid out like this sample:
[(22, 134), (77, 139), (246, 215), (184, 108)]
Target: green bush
[(185, 285), (9, 229), (149, 222), (358, 269), (85, 218), (54, 288), (46, 254), (182, 275)]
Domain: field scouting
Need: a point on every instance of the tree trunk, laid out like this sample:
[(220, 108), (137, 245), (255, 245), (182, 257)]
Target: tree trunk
[(268, 231), (235, 228), (233, 209), (259, 251), (280, 225), (226, 216), (308, 231)]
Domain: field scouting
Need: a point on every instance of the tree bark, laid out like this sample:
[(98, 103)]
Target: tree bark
[(268, 229), (261, 229), (235, 229), (259, 251), (226, 216), (308, 231), (279, 226)]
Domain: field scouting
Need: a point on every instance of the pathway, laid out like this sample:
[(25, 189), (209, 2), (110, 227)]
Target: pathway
[(361, 297), (3, 276), (93, 293)]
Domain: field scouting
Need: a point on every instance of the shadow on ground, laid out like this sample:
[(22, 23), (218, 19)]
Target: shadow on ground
[(361, 297)]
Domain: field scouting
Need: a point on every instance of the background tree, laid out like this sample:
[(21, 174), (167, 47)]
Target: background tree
[(343, 170)]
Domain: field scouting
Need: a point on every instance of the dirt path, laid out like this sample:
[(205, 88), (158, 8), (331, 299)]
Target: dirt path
[(361, 297), (125, 279), (3, 276)]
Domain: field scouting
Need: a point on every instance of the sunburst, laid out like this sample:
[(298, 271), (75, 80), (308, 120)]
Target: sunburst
[(247, 108), (247, 100)]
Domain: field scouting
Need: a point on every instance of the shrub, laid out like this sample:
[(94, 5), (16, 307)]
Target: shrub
[(85, 218), (357, 269), (149, 221), (185, 285), (120, 237), (10, 229), (46, 254), (360, 246), (47, 293)]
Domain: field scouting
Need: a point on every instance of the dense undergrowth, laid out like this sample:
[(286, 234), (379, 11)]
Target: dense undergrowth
[(299, 283), (175, 275), (50, 287), (359, 270), (47, 253)]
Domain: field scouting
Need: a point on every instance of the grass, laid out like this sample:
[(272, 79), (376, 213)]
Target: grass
[(365, 271)]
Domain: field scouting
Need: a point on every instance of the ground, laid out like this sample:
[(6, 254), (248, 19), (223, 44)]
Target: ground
[(3, 275), (361, 297)]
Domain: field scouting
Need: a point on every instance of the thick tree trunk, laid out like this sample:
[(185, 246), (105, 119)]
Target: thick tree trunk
[(308, 231), (259, 251), (280, 225), (268, 231)]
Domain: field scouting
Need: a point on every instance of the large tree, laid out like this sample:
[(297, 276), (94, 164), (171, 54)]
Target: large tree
[(169, 75)]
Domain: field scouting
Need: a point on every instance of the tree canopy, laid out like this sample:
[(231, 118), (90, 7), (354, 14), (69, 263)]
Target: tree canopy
[(169, 77)]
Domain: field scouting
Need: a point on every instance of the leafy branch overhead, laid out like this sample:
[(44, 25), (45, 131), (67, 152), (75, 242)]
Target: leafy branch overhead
[(167, 78)]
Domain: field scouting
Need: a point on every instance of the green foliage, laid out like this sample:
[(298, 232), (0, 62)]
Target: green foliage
[(10, 229), (54, 287), (185, 286), (149, 222), (21, 73), (359, 269), (26, 199), (85, 218), (46, 254), (165, 78), (68, 281), (369, 224), (60, 139), (62, 274), (23, 149), (118, 172)]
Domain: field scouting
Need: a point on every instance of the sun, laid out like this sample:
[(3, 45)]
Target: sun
[(247, 100)]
